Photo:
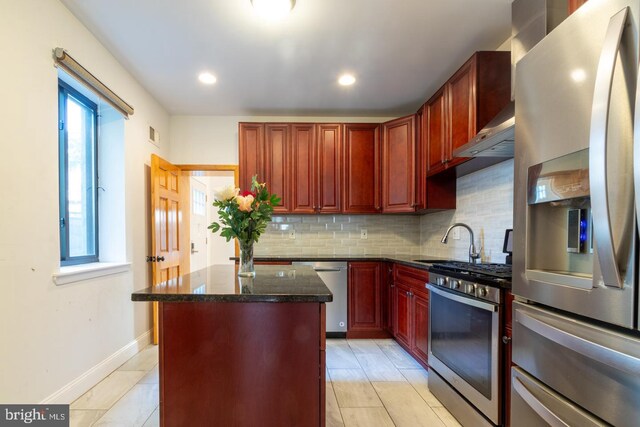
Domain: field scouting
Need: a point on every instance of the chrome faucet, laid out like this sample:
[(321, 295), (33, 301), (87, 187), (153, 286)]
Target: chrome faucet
[(473, 255)]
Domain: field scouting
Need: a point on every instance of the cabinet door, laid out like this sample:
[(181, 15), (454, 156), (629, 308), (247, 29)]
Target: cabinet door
[(251, 148), (303, 168), (361, 177), (402, 319), (398, 165), (462, 109), (329, 167), (420, 320), (364, 296), (436, 131), (276, 162), (421, 159), (388, 273)]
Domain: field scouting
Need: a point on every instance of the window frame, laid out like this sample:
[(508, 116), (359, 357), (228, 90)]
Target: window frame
[(64, 90)]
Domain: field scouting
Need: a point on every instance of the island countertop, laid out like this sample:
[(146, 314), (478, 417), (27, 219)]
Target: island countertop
[(220, 283)]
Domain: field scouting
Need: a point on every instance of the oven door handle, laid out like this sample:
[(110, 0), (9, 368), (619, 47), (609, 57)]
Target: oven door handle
[(463, 300)]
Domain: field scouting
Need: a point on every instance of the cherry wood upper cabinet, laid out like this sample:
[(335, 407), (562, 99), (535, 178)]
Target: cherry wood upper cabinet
[(251, 148), (399, 165), (361, 166), (436, 131), (329, 163), (421, 159), (465, 104), (303, 168), (276, 163), (575, 4)]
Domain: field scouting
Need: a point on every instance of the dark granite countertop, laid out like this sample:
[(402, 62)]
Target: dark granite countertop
[(410, 260), (220, 283)]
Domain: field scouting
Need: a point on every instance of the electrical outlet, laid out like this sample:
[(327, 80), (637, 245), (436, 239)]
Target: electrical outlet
[(363, 234), (455, 233), (292, 234)]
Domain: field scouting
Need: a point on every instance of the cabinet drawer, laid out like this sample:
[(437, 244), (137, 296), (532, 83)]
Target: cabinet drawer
[(413, 277)]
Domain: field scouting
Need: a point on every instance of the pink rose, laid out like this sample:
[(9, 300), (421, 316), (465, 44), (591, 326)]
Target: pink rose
[(244, 203)]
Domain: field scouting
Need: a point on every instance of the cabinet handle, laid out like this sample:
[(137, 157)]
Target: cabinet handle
[(506, 339)]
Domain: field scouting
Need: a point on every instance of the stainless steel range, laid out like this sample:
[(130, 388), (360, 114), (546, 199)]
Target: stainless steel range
[(465, 352)]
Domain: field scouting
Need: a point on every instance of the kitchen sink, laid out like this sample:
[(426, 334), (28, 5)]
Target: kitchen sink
[(432, 261)]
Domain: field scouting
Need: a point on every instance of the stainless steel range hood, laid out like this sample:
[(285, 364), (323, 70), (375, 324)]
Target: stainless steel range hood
[(495, 139), (531, 21)]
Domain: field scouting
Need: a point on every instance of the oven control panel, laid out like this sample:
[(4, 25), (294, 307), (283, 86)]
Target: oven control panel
[(479, 291)]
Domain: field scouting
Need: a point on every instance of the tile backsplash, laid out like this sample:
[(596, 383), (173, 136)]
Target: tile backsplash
[(340, 235), (484, 202)]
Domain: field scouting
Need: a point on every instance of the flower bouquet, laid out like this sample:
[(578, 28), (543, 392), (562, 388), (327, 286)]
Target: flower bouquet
[(244, 215)]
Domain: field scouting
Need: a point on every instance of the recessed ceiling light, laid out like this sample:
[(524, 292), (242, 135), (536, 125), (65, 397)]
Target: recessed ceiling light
[(346, 79), (273, 9), (207, 78)]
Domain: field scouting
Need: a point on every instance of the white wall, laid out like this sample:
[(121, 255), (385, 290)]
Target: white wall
[(51, 335)]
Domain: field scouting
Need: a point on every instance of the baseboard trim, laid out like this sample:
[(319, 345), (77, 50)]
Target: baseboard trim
[(93, 376)]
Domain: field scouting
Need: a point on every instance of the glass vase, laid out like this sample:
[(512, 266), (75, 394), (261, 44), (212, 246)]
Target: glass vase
[(246, 260)]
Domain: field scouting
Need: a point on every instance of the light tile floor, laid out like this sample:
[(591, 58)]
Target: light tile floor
[(369, 383)]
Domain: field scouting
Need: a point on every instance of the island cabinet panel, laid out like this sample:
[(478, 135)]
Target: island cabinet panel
[(251, 150), (399, 165), (303, 168), (361, 165), (276, 163), (215, 369), (387, 297), (411, 323), (465, 104), (365, 300), (329, 158)]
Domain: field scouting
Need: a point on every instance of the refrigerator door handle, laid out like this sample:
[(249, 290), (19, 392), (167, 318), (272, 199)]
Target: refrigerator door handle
[(636, 152), (535, 404), (613, 358), (598, 151)]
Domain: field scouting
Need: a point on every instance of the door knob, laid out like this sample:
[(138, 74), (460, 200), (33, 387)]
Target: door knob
[(151, 259), (160, 258)]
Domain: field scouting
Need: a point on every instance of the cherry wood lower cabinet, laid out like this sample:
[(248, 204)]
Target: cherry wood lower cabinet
[(364, 295), (242, 364), (411, 311)]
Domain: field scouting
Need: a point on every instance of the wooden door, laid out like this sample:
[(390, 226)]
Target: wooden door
[(364, 312), (436, 131), (398, 165), (251, 149), (420, 319), (574, 5), (276, 162), (167, 213), (303, 168), (402, 319), (329, 146), (361, 177), (462, 109)]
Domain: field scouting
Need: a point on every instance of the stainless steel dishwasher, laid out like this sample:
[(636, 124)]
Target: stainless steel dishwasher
[(334, 275)]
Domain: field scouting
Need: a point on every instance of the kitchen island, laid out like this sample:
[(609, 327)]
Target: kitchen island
[(242, 352)]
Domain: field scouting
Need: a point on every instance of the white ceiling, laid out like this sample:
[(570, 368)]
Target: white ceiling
[(400, 50)]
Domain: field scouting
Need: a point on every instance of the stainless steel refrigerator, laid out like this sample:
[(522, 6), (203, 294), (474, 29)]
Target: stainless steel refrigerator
[(576, 342)]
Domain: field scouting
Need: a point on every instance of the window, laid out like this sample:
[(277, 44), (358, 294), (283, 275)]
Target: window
[(78, 149)]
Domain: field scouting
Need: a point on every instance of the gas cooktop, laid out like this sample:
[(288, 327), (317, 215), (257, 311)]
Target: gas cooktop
[(489, 274)]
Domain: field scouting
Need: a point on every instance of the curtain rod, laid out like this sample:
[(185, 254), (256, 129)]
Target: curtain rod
[(64, 60)]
